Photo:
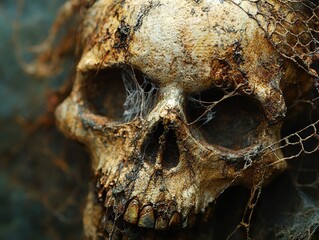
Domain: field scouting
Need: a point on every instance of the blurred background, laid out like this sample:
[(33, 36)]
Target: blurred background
[(43, 176)]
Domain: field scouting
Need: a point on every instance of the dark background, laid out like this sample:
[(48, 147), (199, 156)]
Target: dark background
[(43, 176)]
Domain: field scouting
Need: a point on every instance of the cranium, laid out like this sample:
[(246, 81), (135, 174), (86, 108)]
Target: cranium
[(176, 101)]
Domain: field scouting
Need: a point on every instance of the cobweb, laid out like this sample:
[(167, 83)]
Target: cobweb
[(141, 95), (304, 223), (300, 148), (292, 26)]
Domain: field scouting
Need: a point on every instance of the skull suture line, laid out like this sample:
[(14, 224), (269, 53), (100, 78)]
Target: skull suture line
[(176, 101)]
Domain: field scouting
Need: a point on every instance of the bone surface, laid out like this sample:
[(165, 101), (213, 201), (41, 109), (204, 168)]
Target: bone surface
[(177, 101)]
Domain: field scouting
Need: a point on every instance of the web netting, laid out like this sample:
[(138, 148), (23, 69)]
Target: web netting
[(293, 29), (304, 222), (141, 94), (292, 26), (299, 145)]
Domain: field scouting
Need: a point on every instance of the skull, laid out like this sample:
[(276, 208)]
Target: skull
[(176, 101)]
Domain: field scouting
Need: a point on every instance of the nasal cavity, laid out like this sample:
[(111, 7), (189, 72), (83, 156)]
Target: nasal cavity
[(170, 152), (161, 145), (152, 145)]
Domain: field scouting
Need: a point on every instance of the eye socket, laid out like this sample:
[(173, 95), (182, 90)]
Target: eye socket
[(141, 93), (105, 93), (119, 93), (196, 109), (230, 122)]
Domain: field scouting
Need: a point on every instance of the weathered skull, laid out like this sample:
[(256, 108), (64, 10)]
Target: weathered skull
[(176, 101)]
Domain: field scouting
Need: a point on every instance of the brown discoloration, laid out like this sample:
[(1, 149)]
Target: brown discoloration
[(181, 52), (132, 212), (175, 221), (147, 218)]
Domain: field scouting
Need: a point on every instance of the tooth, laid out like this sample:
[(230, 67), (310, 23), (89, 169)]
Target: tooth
[(132, 211), (146, 217), (161, 223), (175, 220)]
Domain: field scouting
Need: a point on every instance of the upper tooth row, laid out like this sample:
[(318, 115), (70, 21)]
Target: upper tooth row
[(146, 218)]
